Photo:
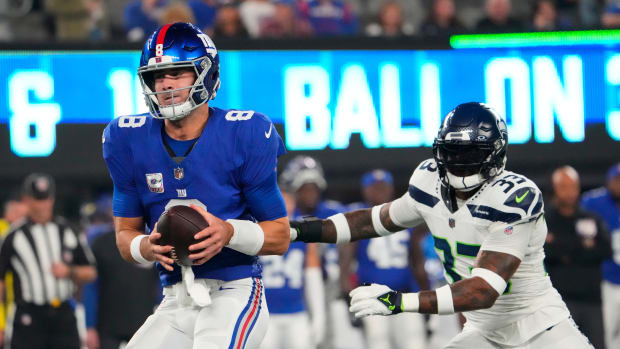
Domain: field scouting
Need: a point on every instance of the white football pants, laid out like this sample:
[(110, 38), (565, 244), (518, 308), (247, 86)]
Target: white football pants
[(400, 331), (237, 318), (288, 331), (564, 335), (611, 316)]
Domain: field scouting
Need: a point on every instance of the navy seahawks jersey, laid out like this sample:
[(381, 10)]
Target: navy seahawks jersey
[(283, 278), (236, 152)]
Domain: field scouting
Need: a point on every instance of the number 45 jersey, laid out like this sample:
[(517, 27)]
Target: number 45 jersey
[(229, 163), (505, 215)]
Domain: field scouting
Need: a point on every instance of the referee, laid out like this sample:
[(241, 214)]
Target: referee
[(46, 257)]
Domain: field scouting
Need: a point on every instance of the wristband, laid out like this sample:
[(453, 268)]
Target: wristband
[(307, 230), (375, 214), (134, 248), (343, 232), (410, 302), (248, 237), (497, 282), (445, 304)]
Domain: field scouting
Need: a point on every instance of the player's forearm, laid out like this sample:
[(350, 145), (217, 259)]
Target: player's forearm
[(358, 223), (83, 273), (277, 236), (467, 295), (126, 230)]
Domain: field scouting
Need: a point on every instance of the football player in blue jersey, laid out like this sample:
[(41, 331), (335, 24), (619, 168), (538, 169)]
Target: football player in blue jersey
[(489, 231), (295, 294), (393, 260), (220, 162), (605, 201), (303, 176)]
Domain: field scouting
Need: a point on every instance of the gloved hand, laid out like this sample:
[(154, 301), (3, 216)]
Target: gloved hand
[(375, 299)]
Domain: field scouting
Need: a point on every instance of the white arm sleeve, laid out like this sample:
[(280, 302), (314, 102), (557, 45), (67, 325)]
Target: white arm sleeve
[(512, 238), (404, 213), (314, 292)]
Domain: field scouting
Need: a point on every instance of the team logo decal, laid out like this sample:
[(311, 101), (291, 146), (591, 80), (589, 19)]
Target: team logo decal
[(182, 193), (508, 230), (155, 182), (451, 222), (178, 173)]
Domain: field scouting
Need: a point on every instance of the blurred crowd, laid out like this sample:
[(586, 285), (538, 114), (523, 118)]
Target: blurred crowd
[(133, 20), (582, 259)]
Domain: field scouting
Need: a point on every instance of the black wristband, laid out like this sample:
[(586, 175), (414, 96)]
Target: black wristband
[(308, 229)]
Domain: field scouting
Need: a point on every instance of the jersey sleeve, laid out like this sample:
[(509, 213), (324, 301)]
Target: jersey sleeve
[(118, 158), (516, 209), (260, 147), (514, 238), (404, 211)]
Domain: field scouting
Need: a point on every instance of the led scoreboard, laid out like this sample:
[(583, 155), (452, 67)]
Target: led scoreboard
[(322, 99)]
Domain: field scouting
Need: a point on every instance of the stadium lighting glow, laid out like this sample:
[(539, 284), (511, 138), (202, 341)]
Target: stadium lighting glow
[(558, 38)]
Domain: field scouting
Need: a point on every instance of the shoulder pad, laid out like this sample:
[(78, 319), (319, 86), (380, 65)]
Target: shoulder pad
[(424, 183), (426, 172), (513, 195)]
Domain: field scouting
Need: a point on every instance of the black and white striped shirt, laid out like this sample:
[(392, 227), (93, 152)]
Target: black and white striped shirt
[(30, 250)]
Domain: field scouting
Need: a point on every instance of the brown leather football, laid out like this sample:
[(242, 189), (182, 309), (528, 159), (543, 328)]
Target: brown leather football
[(177, 227)]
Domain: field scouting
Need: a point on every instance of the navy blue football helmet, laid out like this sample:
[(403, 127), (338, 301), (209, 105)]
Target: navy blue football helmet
[(470, 147), (173, 46), (301, 170)]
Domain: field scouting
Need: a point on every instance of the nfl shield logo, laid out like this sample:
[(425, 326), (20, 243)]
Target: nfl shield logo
[(178, 173), (451, 222), (155, 182)]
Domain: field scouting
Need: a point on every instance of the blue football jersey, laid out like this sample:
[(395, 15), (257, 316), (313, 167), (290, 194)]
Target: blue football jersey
[(385, 261), (602, 203), (283, 278), (236, 152)]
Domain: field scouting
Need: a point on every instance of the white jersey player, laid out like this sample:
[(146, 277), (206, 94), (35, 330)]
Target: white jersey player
[(489, 231)]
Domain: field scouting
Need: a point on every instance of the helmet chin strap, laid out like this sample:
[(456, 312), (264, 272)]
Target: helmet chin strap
[(467, 183), (176, 112)]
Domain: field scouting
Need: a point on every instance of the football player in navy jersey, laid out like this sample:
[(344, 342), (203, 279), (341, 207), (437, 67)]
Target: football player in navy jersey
[(488, 229), (295, 294), (220, 162), (393, 261)]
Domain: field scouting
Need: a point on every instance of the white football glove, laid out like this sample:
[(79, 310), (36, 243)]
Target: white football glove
[(375, 299)]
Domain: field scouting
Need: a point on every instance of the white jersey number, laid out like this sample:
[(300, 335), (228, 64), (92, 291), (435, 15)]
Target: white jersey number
[(131, 121), (390, 251), (280, 270), (239, 115)]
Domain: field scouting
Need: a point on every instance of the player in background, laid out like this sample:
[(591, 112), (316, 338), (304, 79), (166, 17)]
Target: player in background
[(223, 164), (605, 202), (303, 176), (488, 224), (294, 291), (392, 260)]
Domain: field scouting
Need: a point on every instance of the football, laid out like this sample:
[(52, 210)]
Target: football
[(177, 227)]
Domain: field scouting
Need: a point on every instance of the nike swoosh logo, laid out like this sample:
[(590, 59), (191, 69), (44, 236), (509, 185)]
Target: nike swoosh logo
[(519, 199), (268, 134)]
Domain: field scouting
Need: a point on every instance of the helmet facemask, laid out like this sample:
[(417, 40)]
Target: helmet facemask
[(466, 165)]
